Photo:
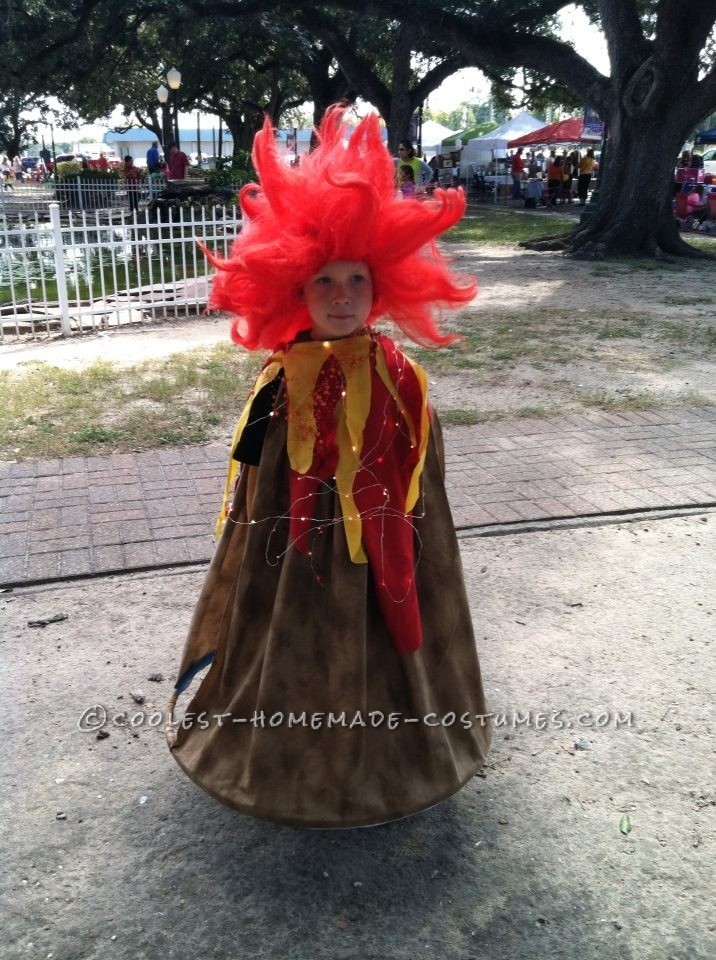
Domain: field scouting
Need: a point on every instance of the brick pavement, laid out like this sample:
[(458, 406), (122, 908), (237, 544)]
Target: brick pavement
[(89, 515)]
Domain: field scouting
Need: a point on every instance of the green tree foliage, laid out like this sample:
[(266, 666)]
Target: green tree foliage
[(392, 63), (661, 86)]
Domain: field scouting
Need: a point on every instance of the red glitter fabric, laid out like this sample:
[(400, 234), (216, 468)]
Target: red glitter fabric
[(387, 460)]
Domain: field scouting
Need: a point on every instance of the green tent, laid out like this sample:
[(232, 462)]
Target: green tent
[(469, 134)]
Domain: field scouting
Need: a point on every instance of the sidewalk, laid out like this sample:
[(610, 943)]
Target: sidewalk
[(91, 515)]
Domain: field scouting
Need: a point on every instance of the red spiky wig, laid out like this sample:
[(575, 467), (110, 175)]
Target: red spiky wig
[(339, 204)]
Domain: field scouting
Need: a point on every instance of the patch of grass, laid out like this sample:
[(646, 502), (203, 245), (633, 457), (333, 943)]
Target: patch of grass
[(617, 331), (463, 418), (91, 437), (701, 244), (682, 332), (675, 331), (601, 400), (688, 301), (544, 338), (46, 411), (468, 418), (505, 227), (491, 343)]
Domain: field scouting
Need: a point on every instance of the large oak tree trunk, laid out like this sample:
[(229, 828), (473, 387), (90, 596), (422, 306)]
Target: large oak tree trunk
[(401, 101), (651, 103), (634, 214)]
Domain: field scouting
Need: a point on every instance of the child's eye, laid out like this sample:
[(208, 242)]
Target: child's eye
[(323, 280), (358, 278)]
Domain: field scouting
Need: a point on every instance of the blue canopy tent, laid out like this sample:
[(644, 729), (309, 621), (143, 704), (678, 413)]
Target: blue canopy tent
[(706, 136)]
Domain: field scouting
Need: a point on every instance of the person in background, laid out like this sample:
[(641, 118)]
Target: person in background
[(696, 204), (102, 163), (157, 179), (574, 157), (131, 178), (566, 192), (178, 163), (153, 157), (517, 168), (554, 179), (422, 174), (17, 169), (7, 175), (586, 171), (534, 193)]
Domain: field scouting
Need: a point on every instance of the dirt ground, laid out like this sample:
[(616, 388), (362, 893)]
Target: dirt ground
[(108, 851), (560, 334)]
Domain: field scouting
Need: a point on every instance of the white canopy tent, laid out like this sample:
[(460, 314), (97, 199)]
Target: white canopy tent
[(433, 134), (481, 150)]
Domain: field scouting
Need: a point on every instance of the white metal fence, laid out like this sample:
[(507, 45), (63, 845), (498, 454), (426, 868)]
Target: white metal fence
[(97, 193), (90, 271)]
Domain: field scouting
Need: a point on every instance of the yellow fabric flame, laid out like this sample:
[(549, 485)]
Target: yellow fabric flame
[(302, 363)]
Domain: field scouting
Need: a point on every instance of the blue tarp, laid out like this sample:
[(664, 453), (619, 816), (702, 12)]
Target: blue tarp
[(706, 136)]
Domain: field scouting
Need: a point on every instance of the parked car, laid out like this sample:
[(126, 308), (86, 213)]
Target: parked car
[(206, 160), (66, 157), (29, 163), (710, 162)]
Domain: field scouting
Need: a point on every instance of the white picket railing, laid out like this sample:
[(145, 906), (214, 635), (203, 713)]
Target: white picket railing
[(90, 271), (71, 194), (97, 193)]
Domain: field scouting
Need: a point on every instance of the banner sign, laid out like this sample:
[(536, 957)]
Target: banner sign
[(593, 126)]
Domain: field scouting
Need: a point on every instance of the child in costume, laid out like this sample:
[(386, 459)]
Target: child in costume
[(344, 686)]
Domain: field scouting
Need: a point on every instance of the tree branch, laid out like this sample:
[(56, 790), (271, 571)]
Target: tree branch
[(683, 29), (356, 70), (434, 77), (482, 38), (487, 42), (625, 38), (702, 101)]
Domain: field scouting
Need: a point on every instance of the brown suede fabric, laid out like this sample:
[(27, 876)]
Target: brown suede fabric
[(289, 642)]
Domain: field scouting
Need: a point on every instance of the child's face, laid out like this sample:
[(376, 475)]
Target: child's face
[(339, 298)]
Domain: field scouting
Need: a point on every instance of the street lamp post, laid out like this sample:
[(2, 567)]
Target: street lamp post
[(172, 123), (162, 97), (174, 81)]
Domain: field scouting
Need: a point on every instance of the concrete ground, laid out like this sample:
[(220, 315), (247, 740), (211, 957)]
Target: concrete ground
[(109, 851)]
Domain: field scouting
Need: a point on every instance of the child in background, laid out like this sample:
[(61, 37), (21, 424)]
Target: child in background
[(344, 687), (406, 180), (132, 176)]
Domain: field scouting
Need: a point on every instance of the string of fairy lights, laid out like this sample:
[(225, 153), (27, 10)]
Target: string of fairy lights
[(393, 409)]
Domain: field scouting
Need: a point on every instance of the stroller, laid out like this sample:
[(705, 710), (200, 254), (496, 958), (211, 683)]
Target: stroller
[(695, 216)]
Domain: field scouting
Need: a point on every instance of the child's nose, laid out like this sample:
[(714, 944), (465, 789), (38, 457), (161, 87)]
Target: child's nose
[(341, 294)]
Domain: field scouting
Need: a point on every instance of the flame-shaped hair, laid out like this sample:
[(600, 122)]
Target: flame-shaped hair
[(339, 204)]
